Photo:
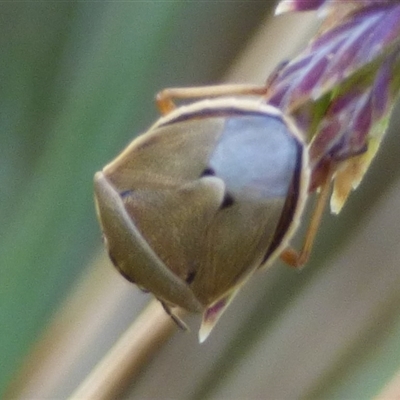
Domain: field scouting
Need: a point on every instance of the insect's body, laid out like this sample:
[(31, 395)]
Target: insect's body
[(209, 194)]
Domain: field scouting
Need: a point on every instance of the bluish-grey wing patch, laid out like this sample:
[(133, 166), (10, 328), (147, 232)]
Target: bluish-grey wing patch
[(255, 156)]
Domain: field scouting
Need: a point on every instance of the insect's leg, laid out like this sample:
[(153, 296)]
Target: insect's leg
[(297, 259), (165, 103), (175, 318)]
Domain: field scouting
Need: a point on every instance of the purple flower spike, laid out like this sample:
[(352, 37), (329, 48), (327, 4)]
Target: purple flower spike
[(342, 87)]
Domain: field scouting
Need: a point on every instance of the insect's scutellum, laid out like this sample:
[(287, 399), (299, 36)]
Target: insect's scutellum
[(213, 191)]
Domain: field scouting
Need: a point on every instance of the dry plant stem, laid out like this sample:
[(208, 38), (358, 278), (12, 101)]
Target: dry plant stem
[(115, 372)]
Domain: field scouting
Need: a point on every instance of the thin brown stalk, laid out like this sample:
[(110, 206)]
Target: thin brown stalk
[(120, 365)]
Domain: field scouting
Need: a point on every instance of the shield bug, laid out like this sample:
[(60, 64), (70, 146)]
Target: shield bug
[(209, 194)]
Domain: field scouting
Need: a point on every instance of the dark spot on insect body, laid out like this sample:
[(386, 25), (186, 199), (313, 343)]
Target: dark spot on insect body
[(228, 201), (190, 277), (125, 193), (208, 172)]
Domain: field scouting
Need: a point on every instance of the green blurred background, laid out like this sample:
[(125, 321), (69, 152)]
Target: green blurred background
[(77, 82)]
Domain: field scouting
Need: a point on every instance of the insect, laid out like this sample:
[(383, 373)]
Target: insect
[(212, 192)]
